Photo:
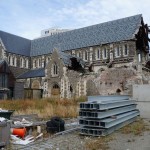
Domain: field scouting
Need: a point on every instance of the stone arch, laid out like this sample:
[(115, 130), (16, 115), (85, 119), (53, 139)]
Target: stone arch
[(35, 84), (118, 91), (55, 89), (71, 89)]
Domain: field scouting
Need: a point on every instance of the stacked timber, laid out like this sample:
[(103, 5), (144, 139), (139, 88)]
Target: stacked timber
[(102, 115)]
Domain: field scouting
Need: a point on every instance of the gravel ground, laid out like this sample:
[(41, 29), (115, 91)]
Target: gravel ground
[(130, 142), (74, 141)]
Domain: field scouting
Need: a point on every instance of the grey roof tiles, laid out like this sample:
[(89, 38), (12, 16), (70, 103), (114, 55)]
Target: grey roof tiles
[(108, 32), (103, 33), (15, 44), (40, 72)]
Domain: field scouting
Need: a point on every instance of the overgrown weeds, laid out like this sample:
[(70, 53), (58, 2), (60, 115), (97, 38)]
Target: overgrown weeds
[(100, 143), (136, 128), (45, 108)]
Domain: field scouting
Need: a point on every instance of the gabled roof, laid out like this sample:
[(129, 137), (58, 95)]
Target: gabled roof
[(15, 44), (33, 73), (108, 32)]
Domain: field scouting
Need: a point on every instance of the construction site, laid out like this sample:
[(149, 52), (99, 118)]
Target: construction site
[(79, 89)]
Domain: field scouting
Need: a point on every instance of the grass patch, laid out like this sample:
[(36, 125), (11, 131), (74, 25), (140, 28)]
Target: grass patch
[(98, 143), (136, 128), (45, 108)]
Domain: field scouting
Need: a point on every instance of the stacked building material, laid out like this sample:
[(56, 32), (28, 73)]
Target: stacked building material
[(102, 115)]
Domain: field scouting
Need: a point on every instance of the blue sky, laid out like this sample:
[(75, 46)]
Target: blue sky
[(27, 18)]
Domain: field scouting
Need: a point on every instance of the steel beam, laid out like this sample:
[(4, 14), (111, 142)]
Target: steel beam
[(108, 98), (107, 113), (102, 132), (109, 122), (105, 105)]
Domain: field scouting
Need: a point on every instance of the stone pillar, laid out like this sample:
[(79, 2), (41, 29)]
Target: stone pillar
[(85, 87), (111, 52), (62, 88), (43, 61), (2, 51), (79, 89), (91, 55), (73, 53)]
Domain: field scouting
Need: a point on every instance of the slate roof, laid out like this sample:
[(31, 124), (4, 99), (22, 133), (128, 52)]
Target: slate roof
[(15, 44), (108, 32), (33, 73)]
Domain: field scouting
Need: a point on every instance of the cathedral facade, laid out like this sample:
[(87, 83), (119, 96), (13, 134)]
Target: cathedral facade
[(101, 59)]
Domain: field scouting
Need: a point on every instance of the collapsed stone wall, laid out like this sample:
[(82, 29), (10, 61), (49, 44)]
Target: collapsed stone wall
[(114, 81)]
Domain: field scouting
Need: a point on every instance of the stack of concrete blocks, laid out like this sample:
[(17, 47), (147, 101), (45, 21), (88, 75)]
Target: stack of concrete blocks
[(102, 115)]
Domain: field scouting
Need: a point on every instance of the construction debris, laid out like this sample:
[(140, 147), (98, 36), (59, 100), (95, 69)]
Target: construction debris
[(2, 119), (16, 140), (28, 139), (23, 122), (102, 115), (3, 110)]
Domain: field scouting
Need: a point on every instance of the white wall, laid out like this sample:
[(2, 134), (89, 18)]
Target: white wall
[(142, 94)]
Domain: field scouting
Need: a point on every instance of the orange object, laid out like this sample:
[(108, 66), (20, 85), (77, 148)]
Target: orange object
[(20, 132)]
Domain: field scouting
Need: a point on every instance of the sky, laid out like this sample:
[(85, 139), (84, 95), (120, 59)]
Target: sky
[(27, 18)]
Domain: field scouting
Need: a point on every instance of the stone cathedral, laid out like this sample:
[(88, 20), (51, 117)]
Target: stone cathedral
[(102, 59)]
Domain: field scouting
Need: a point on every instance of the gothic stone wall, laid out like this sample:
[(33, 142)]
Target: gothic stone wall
[(70, 82), (2, 50), (52, 78), (17, 69)]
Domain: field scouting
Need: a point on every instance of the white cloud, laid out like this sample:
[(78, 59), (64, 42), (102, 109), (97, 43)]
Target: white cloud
[(28, 20)]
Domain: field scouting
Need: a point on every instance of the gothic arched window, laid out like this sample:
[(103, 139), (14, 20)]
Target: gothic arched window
[(26, 63), (55, 69), (21, 62)]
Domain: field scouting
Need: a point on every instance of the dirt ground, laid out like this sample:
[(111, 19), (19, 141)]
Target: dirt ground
[(131, 141), (74, 141)]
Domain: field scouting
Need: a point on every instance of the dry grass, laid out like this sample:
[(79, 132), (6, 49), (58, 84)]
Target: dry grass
[(100, 143), (45, 108), (136, 128)]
